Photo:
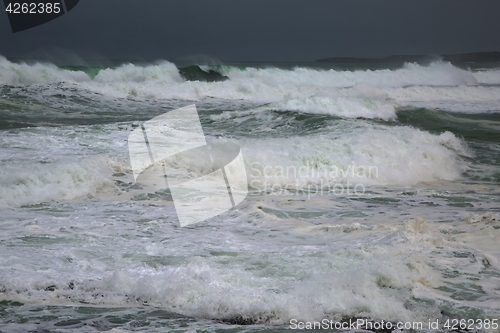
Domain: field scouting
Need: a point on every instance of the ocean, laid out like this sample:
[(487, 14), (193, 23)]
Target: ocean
[(374, 193)]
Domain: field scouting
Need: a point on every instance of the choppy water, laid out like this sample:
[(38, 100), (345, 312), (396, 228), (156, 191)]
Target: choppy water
[(85, 250)]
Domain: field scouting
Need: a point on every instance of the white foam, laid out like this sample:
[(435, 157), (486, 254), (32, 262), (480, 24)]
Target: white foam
[(41, 165), (366, 155), (488, 76), (347, 107), (302, 271), (360, 93), (260, 285), (163, 72), (436, 74), (12, 73), (22, 184), (465, 99)]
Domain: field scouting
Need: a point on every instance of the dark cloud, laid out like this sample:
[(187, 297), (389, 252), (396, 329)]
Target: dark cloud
[(273, 30)]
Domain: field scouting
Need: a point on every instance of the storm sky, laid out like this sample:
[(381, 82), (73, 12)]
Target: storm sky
[(259, 30)]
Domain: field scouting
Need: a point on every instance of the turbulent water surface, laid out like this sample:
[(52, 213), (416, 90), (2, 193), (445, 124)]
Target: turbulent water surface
[(373, 193)]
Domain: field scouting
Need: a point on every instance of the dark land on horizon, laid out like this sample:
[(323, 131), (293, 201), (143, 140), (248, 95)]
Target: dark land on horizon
[(73, 61), (473, 57)]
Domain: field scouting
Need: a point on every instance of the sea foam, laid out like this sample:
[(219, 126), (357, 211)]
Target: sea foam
[(359, 93)]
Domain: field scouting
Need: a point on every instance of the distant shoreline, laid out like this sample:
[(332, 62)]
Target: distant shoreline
[(387, 62), (462, 57)]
